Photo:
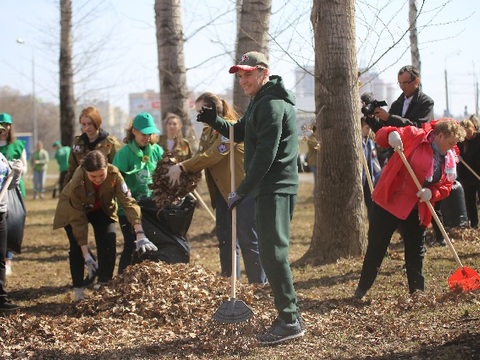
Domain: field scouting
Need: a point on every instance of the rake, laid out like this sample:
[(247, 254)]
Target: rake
[(233, 310), (464, 278)]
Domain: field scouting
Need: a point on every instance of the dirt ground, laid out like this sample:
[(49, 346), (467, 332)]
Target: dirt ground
[(158, 311)]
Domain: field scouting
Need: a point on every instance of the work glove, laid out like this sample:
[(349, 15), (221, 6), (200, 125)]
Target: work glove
[(92, 266), (395, 141), (425, 195), (144, 244), (233, 200), (207, 115), (17, 167), (174, 174)]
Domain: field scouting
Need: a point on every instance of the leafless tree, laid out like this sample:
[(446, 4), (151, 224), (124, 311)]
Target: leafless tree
[(171, 62), (339, 229), (67, 100), (412, 16), (252, 25)]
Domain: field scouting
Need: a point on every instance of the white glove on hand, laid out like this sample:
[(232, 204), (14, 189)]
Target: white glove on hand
[(395, 141), (174, 174), (145, 245), (425, 194), (92, 266), (17, 167)]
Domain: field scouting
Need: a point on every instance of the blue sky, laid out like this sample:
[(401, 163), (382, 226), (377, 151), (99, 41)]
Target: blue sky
[(120, 36)]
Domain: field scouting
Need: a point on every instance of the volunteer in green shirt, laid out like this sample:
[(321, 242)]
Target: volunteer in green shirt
[(39, 162), (137, 161), (62, 153)]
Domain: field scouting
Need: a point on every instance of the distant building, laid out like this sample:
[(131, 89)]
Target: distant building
[(371, 82), (305, 97), (305, 92)]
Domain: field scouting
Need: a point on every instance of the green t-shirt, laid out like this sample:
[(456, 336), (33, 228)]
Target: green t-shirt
[(14, 151), (40, 160), (137, 165), (61, 155)]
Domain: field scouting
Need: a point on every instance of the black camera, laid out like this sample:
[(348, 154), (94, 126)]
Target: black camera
[(370, 104)]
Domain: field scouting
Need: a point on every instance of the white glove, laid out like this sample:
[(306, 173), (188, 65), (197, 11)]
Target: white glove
[(395, 141), (425, 194), (145, 245), (17, 167), (92, 266), (174, 174)]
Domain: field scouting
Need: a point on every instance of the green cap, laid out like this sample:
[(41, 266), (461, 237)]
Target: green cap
[(250, 61), (57, 143), (5, 118), (145, 124)]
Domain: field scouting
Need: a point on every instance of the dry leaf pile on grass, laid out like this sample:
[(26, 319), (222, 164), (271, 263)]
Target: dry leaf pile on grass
[(152, 306), (163, 193)]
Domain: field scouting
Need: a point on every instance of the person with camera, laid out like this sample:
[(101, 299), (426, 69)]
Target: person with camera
[(413, 106)]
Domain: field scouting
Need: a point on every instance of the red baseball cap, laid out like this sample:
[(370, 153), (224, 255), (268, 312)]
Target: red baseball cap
[(250, 61)]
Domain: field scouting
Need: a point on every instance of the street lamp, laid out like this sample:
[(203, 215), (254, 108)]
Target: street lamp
[(447, 110), (34, 105)]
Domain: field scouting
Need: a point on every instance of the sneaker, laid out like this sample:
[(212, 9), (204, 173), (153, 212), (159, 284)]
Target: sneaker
[(99, 285), (281, 331), (442, 243), (78, 294), (8, 306), (8, 268)]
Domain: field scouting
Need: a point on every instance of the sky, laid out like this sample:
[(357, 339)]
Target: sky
[(115, 46)]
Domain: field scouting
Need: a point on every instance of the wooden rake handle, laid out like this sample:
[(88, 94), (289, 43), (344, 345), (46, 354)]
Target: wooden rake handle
[(430, 207), (233, 277), (8, 180), (468, 167), (367, 173)]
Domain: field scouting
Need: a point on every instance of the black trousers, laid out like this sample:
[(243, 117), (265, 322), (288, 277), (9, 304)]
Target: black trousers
[(470, 193), (382, 226), (3, 252), (105, 239)]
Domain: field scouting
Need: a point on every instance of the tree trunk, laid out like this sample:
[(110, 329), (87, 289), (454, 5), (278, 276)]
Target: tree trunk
[(171, 63), (253, 23), (415, 52), (339, 229), (67, 99)]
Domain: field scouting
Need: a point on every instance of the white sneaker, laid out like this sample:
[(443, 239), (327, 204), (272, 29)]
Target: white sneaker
[(8, 270), (78, 294)]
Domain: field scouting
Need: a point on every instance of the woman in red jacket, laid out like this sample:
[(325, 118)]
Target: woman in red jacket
[(398, 205)]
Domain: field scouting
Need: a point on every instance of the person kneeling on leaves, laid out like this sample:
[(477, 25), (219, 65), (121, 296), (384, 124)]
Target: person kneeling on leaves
[(91, 198)]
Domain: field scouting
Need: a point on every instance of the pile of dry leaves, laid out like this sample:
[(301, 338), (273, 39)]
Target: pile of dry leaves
[(163, 193), (150, 303)]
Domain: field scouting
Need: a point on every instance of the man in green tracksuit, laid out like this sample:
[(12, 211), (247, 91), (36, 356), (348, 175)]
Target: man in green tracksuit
[(269, 130)]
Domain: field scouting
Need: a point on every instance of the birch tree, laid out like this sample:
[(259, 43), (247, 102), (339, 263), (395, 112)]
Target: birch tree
[(252, 25), (67, 100), (171, 62)]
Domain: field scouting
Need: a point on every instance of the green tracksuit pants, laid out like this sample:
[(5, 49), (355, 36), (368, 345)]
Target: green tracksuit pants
[(274, 213)]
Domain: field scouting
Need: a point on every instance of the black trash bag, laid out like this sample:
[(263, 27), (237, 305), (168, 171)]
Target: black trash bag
[(453, 207), (16, 214), (166, 228)]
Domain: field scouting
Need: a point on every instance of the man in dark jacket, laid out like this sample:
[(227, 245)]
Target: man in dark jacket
[(269, 130), (413, 107)]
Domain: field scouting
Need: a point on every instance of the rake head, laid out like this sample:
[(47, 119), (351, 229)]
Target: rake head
[(233, 311), (464, 279)]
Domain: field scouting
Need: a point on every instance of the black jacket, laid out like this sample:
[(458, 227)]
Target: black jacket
[(418, 113)]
